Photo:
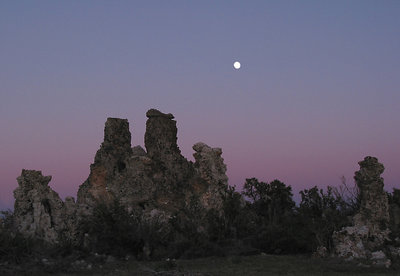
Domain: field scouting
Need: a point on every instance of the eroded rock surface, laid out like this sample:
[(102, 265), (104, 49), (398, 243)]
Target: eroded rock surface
[(161, 135), (158, 180), (366, 238), (109, 164), (210, 167), (39, 211)]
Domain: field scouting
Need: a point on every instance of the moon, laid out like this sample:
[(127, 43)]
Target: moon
[(236, 65)]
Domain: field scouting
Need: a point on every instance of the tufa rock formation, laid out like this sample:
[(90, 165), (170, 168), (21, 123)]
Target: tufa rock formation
[(109, 162), (210, 167), (39, 212), (366, 238), (158, 180)]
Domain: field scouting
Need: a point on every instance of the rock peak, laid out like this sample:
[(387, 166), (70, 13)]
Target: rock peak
[(28, 177), (371, 165), (156, 113), (116, 133), (117, 141), (38, 210), (161, 135)]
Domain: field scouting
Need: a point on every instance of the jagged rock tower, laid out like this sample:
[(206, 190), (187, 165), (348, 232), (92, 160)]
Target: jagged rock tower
[(156, 180), (366, 238), (38, 210)]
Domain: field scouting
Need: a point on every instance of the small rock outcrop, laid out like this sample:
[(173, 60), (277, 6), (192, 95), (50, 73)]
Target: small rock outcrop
[(210, 167), (38, 210), (366, 238)]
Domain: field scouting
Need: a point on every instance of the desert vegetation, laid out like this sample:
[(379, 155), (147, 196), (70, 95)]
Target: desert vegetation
[(260, 219)]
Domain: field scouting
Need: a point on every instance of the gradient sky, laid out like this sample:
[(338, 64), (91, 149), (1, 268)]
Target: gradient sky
[(317, 92)]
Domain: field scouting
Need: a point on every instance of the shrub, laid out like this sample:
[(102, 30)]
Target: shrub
[(111, 229), (14, 247), (320, 214), (273, 201), (394, 210)]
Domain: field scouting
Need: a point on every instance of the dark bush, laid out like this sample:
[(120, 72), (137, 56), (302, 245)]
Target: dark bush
[(14, 247), (270, 214), (111, 229), (272, 201), (394, 210), (320, 214), (268, 221)]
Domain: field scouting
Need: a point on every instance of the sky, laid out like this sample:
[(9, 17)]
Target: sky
[(317, 91)]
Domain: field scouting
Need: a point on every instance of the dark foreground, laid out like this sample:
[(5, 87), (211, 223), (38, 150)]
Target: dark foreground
[(235, 265)]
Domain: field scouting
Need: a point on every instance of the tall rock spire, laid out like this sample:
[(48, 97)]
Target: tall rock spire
[(366, 238), (161, 135)]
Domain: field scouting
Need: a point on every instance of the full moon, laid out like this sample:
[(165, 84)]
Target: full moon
[(236, 65)]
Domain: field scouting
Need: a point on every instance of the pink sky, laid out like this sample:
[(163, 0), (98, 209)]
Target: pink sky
[(318, 89)]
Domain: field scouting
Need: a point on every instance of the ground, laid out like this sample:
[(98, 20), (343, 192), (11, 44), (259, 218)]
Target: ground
[(234, 265)]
